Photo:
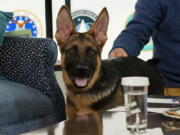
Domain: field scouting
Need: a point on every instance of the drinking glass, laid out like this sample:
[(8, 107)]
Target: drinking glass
[(135, 98)]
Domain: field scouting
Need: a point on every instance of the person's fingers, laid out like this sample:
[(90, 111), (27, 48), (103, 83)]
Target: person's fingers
[(112, 54), (119, 52)]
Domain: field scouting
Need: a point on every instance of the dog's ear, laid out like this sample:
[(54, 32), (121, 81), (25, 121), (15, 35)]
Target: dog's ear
[(99, 28), (65, 25)]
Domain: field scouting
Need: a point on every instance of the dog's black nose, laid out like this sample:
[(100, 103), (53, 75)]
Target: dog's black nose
[(82, 69)]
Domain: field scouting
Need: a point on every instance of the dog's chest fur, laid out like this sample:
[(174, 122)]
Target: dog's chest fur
[(102, 91)]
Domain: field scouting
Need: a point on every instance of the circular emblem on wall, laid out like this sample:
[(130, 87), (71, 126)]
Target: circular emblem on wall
[(83, 19), (149, 45), (23, 20)]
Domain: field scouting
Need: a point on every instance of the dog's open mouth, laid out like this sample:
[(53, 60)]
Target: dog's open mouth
[(81, 82), (80, 79)]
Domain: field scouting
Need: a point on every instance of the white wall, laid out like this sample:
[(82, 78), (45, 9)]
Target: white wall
[(119, 12)]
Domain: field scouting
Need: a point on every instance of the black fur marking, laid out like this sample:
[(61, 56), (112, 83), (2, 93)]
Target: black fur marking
[(80, 37)]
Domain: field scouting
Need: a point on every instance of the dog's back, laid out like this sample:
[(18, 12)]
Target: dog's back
[(133, 66)]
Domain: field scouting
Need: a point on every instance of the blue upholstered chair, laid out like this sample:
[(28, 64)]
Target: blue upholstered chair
[(30, 97)]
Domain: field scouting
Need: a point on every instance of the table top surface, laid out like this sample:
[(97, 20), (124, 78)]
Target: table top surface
[(112, 122)]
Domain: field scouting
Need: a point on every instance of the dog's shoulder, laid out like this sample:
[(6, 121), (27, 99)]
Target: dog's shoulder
[(134, 66), (109, 75), (121, 65)]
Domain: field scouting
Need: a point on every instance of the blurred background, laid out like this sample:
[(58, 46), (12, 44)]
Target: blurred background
[(39, 18)]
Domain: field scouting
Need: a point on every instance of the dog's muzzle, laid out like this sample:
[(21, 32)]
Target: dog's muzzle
[(82, 76)]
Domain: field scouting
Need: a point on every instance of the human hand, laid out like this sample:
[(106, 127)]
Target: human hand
[(118, 52)]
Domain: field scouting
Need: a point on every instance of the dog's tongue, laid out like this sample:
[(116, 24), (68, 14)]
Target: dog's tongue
[(81, 82)]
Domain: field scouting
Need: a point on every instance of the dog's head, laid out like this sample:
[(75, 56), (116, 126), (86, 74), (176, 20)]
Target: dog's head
[(81, 52)]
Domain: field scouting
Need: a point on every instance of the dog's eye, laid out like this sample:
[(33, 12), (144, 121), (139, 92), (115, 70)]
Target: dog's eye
[(90, 51), (71, 51)]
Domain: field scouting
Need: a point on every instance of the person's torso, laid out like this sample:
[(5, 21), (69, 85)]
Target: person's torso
[(167, 43)]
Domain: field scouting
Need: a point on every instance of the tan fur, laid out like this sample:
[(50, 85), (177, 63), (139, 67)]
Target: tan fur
[(67, 81), (96, 74)]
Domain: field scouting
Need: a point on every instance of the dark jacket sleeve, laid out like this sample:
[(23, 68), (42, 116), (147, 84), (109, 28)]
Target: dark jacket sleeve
[(148, 15)]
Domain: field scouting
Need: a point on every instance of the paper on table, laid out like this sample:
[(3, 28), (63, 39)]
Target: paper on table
[(162, 101), (116, 125), (119, 109), (154, 131), (157, 110), (151, 100)]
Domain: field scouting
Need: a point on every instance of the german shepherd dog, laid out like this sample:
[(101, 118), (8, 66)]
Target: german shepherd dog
[(94, 84)]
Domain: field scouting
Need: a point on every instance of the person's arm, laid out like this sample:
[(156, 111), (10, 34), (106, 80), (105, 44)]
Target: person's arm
[(148, 15)]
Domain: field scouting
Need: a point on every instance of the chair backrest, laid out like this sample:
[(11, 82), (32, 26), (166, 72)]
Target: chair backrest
[(30, 61)]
